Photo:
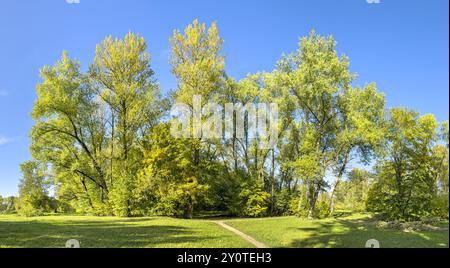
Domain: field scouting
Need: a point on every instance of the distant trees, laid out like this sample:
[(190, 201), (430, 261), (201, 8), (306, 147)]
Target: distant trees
[(34, 187), (351, 194), (103, 137), (8, 204)]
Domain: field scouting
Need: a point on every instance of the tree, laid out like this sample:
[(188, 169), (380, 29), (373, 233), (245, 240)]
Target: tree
[(197, 62), (406, 182), (168, 181), (329, 119), (352, 193), (69, 134), (441, 155), (124, 81), (361, 134), (90, 128), (9, 204), (198, 65), (33, 190), (104, 139)]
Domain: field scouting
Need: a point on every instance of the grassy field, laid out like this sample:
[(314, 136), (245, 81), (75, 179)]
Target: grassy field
[(351, 231), (112, 232)]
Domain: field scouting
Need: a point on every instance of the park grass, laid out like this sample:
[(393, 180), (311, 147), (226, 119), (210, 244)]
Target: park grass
[(113, 232), (346, 232)]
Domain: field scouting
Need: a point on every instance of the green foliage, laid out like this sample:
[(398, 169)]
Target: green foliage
[(406, 183), (282, 202), (253, 200), (8, 204), (197, 62), (351, 194), (168, 178), (33, 190), (329, 118), (322, 209), (300, 205), (90, 127), (103, 138)]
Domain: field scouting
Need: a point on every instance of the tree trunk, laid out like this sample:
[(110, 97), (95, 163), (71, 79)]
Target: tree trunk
[(314, 193), (336, 184), (83, 182), (333, 194)]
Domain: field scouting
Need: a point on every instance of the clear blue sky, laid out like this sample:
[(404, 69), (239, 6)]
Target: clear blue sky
[(401, 45)]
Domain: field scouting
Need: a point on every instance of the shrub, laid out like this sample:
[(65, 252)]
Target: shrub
[(254, 200)]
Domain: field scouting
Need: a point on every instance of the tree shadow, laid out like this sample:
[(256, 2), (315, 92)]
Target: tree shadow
[(354, 233), (111, 234), (342, 214)]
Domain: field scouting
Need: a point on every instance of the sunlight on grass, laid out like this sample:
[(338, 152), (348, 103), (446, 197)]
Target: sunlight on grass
[(54, 231), (107, 232), (352, 231)]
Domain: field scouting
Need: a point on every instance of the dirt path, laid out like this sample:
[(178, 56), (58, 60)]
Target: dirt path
[(246, 237)]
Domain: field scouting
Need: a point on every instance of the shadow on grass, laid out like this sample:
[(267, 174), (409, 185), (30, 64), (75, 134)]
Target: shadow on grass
[(342, 214), (114, 233), (345, 233)]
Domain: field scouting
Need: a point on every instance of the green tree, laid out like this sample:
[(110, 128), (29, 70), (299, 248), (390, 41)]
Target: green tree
[(124, 80), (168, 181), (69, 134), (351, 194), (441, 155), (330, 120), (361, 132), (198, 65), (90, 128), (33, 190), (10, 204), (406, 182)]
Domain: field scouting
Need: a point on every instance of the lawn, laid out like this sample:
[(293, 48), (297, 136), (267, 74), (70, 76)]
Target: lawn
[(350, 232), (113, 232)]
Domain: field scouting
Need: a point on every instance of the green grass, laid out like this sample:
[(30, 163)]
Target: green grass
[(113, 232), (350, 232)]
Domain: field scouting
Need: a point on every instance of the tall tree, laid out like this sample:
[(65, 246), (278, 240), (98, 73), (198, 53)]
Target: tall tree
[(124, 81), (69, 133), (198, 65), (406, 181), (315, 79), (361, 132)]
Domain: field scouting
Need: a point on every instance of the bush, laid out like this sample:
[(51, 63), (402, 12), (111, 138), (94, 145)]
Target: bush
[(254, 200), (323, 206), (282, 204), (440, 206)]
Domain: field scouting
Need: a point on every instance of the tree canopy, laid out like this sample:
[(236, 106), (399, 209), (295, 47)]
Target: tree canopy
[(102, 139)]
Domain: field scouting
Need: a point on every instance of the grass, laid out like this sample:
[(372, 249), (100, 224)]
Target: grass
[(346, 231), (113, 232), (349, 232)]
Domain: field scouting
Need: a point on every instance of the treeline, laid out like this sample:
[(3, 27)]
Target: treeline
[(101, 140), (8, 204)]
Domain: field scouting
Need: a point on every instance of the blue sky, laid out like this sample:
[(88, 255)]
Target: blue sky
[(402, 45)]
